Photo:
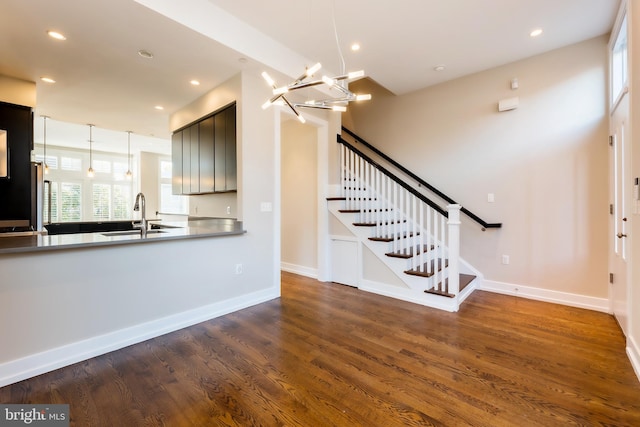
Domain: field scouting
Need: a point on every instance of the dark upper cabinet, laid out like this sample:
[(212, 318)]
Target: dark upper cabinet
[(176, 163), (206, 139), (186, 160), (220, 144), (230, 150), (16, 188), (195, 160), (206, 162)]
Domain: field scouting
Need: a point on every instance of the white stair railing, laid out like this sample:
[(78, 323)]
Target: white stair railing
[(414, 225)]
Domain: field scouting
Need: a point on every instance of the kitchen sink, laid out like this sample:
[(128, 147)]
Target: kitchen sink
[(131, 233)]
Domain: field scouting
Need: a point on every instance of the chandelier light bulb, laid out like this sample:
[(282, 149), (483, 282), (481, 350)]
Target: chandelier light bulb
[(268, 79), (311, 71), (365, 97), (356, 74), (281, 90)]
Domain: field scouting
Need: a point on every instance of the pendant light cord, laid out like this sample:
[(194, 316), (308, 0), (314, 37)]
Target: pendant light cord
[(335, 31)]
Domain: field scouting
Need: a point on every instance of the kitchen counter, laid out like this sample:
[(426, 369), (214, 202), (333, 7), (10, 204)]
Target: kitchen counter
[(162, 231)]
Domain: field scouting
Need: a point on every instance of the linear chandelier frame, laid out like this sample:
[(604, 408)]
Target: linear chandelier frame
[(302, 82)]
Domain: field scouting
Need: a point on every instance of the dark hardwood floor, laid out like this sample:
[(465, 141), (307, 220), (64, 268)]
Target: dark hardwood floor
[(330, 355)]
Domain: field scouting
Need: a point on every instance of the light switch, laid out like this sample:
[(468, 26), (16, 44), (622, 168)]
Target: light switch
[(266, 207), (491, 198)]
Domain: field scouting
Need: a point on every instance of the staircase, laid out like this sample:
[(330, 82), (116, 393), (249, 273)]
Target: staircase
[(415, 238)]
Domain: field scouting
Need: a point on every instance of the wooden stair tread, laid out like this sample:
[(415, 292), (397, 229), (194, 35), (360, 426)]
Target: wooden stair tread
[(412, 251), (362, 210), (373, 224), (391, 239), (465, 279), (440, 265)]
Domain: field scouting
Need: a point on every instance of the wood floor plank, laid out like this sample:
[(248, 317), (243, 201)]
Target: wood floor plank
[(330, 355)]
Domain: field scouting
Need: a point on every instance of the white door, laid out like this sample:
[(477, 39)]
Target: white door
[(620, 179), (619, 224)]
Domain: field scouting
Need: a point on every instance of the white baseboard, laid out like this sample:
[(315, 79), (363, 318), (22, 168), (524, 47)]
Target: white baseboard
[(633, 351), (36, 364), (299, 269), (565, 298)]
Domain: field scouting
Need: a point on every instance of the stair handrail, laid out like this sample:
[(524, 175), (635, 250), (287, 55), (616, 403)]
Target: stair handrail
[(398, 180), (421, 181)]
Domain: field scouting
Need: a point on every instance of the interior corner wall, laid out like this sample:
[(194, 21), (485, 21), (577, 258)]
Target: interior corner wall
[(546, 163), (16, 91), (299, 196)]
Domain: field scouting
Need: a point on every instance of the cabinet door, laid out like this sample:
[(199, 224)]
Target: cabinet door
[(186, 161), (195, 160), (176, 163), (220, 150), (205, 130), (230, 147)]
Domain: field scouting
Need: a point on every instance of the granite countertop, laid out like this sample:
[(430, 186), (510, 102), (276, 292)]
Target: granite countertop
[(11, 243)]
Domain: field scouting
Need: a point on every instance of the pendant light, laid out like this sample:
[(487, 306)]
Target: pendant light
[(46, 166), (90, 172), (129, 175)]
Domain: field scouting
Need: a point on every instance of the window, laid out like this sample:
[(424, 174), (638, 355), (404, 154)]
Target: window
[(619, 63), (71, 163), (52, 161), (102, 166), (101, 202), (169, 202), (75, 197), (122, 202), (71, 201)]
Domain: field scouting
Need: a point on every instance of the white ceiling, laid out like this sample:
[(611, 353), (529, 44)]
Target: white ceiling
[(102, 80)]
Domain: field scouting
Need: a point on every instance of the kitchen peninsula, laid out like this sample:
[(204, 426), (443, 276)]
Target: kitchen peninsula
[(160, 232), (66, 298)]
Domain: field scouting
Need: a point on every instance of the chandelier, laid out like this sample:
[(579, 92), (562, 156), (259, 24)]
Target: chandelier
[(304, 81)]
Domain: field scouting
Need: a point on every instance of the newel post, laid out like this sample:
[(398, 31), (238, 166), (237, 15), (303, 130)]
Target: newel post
[(454, 248)]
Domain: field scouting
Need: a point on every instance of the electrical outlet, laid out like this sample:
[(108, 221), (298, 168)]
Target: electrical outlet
[(238, 268), (228, 210), (505, 259)]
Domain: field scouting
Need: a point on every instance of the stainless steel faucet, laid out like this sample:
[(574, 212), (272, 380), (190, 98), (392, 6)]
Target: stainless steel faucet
[(143, 222)]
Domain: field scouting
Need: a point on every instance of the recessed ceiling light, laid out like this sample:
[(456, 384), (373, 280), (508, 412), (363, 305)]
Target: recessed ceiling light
[(439, 68), (56, 35), (355, 47), (145, 53), (159, 107), (536, 32), (47, 79), (195, 82)]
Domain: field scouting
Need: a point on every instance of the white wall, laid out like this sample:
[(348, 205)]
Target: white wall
[(546, 162), (19, 92), (299, 194)]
